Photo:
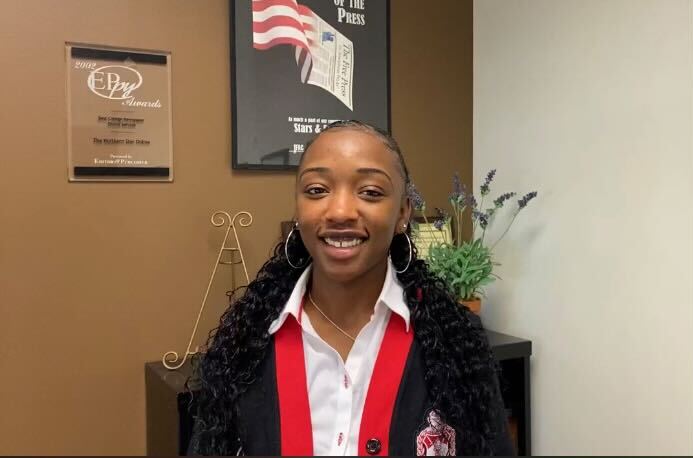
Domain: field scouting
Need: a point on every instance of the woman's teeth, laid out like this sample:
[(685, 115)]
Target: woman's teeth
[(343, 243)]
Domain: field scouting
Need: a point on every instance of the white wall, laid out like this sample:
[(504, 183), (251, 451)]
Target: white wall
[(590, 102)]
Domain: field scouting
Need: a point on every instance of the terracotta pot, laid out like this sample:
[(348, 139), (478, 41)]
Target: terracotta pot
[(473, 305)]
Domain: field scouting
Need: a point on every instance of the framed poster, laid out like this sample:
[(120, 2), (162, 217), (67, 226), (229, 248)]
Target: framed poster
[(118, 114), (299, 65)]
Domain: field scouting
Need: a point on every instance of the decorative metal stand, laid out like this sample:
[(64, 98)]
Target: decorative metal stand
[(219, 218)]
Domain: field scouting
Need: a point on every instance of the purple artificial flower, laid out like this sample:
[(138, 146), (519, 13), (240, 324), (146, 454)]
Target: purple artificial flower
[(441, 218), (459, 191), (456, 184), (471, 200), (417, 201), (489, 178), (526, 199), (502, 199), (483, 219)]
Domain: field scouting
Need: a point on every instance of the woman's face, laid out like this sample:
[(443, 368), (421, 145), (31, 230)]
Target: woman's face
[(350, 202)]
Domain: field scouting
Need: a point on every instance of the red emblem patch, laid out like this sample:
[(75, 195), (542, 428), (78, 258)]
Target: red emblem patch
[(436, 438)]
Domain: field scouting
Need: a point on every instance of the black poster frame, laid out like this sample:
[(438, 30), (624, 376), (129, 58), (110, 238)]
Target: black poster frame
[(244, 131)]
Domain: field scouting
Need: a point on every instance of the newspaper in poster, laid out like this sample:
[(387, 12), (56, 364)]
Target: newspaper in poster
[(324, 55), (333, 61)]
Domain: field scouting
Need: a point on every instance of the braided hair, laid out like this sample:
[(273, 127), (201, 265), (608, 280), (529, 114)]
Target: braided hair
[(459, 368)]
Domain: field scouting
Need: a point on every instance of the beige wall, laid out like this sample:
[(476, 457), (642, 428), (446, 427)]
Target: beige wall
[(96, 278), (591, 103)]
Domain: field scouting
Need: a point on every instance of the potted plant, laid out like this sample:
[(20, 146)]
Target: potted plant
[(466, 265)]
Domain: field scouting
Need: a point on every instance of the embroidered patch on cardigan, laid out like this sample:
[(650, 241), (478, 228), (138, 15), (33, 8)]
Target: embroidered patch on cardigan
[(436, 438)]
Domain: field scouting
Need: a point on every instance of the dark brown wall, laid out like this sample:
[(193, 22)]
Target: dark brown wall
[(432, 92), (97, 278)]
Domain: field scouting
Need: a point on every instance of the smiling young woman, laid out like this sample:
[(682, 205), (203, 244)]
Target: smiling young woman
[(345, 344)]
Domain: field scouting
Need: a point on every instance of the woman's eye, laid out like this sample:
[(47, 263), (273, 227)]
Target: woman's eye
[(315, 191), (372, 193)]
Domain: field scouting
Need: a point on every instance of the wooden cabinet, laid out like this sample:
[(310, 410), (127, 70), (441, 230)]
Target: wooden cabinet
[(513, 355)]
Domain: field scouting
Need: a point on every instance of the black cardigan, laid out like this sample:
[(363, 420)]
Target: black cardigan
[(259, 409)]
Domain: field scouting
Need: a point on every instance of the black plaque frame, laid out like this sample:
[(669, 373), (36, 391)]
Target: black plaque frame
[(260, 126)]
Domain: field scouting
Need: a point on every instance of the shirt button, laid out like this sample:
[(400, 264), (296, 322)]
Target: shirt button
[(373, 446), (346, 381)]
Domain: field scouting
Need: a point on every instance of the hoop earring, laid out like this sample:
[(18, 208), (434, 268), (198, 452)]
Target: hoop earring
[(410, 255), (286, 249)]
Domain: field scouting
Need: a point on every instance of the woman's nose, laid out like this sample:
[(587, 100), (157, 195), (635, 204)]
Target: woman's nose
[(342, 207)]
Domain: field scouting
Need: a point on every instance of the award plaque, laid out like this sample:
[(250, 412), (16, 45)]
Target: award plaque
[(118, 114)]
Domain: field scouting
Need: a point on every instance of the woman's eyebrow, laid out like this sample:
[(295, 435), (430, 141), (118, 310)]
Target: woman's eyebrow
[(368, 170), (362, 170), (314, 169)]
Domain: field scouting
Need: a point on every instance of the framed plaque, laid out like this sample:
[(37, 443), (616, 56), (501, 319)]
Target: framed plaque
[(424, 234), (118, 114), (299, 65)]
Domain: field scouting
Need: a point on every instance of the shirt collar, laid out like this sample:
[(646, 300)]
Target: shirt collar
[(293, 305), (391, 295)]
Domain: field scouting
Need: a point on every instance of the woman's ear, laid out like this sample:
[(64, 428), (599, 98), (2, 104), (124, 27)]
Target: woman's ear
[(404, 215)]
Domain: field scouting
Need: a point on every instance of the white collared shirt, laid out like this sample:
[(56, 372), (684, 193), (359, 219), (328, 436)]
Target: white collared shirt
[(337, 389)]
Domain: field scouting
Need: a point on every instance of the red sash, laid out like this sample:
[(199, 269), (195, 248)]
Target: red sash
[(294, 408)]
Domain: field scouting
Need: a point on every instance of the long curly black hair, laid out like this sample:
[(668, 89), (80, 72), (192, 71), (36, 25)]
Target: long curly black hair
[(459, 367)]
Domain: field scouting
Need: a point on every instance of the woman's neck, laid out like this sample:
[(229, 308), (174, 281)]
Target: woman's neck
[(350, 303)]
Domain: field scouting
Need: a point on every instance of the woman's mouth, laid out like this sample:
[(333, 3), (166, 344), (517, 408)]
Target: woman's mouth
[(342, 242), (342, 248)]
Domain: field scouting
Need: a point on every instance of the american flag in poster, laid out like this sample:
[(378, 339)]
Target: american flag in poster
[(324, 56)]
